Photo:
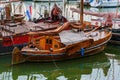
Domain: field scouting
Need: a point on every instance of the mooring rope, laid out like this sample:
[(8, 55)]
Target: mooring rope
[(53, 60)]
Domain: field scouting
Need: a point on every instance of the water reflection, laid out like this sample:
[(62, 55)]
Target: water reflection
[(114, 70), (88, 68), (97, 67)]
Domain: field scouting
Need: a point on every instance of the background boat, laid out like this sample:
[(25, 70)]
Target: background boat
[(14, 33), (115, 21), (115, 33), (105, 3)]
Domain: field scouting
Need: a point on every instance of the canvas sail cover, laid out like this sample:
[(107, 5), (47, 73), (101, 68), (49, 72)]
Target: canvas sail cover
[(69, 37)]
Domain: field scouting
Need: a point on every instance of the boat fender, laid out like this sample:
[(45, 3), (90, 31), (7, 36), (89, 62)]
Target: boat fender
[(82, 50)]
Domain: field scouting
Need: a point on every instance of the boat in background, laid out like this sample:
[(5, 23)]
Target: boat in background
[(105, 3), (115, 39), (7, 1), (55, 16), (86, 2), (13, 32), (115, 33), (61, 44), (106, 18)]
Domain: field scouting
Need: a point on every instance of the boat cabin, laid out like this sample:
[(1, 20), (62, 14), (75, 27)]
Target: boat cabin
[(47, 43)]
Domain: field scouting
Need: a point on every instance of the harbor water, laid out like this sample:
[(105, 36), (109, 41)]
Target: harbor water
[(95, 67)]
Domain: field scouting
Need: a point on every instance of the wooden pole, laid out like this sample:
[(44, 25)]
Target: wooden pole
[(64, 7), (81, 11), (49, 7)]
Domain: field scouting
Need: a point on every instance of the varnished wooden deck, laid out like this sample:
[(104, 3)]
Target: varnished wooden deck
[(6, 30), (96, 36)]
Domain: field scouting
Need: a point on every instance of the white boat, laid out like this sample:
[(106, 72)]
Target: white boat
[(86, 2), (105, 3)]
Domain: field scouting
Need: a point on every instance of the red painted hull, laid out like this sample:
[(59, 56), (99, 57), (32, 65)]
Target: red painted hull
[(15, 40)]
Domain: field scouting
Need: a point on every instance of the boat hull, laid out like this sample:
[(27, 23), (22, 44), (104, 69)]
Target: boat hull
[(49, 58), (115, 39), (95, 48), (9, 42), (8, 49)]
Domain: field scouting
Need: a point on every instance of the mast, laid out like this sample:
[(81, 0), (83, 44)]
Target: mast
[(49, 6), (81, 11)]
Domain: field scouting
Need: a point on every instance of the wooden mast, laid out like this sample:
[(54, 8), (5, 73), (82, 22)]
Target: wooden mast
[(81, 11)]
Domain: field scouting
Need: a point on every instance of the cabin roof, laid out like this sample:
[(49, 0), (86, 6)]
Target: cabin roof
[(69, 37)]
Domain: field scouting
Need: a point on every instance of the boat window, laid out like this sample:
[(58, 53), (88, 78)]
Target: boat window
[(48, 41), (55, 46)]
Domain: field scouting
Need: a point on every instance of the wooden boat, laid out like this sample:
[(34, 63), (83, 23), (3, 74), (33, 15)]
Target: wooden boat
[(111, 18), (13, 33), (61, 44)]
